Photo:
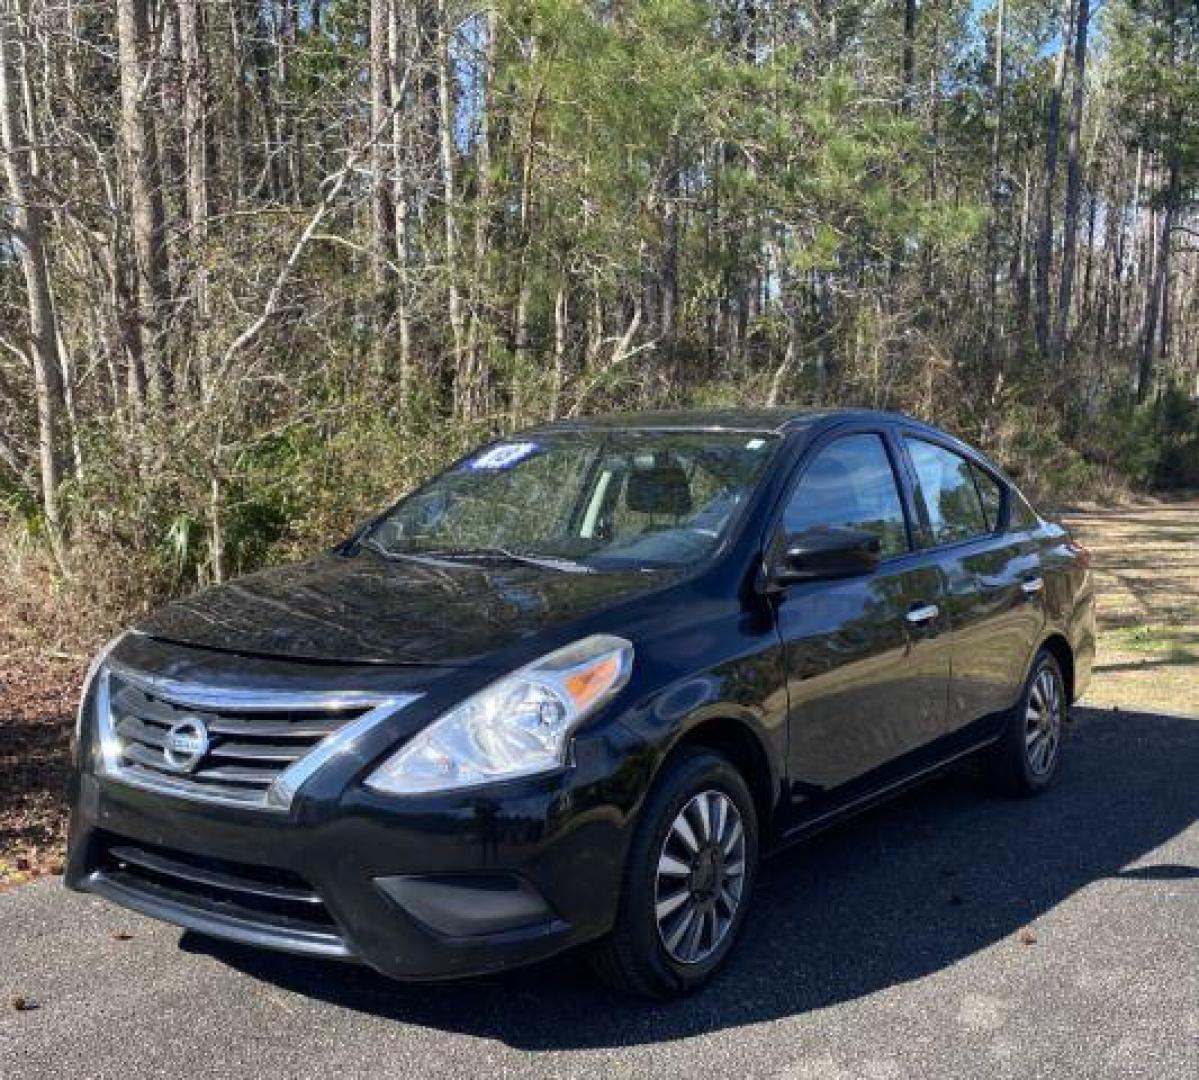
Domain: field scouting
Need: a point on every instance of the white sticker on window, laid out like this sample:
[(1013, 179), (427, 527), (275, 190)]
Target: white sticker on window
[(755, 444), (503, 456)]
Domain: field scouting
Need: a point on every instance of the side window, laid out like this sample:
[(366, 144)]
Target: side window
[(955, 511), (991, 495), (850, 484)]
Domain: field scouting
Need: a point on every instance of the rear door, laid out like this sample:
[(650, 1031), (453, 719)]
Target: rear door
[(993, 585), (867, 660)]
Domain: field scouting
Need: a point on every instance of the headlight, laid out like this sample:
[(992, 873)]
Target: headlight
[(520, 725), (90, 678)]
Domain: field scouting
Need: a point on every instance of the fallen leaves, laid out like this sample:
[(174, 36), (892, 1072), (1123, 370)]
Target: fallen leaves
[(35, 862), (37, 703), (1027, 937)]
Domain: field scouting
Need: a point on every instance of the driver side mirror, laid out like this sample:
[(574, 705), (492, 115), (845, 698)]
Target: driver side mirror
[(823, 554)]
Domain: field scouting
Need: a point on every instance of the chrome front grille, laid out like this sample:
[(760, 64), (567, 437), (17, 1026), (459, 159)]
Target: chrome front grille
[(245, 752), (238, 747)]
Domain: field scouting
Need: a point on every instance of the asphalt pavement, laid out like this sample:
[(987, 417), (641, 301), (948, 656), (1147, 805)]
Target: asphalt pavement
[(951, 934)]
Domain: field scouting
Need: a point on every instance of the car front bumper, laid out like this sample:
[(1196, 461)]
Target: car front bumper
[(424, 888)]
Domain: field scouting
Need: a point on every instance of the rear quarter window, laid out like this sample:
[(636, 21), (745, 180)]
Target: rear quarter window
[(1022, 515), (990, 494)]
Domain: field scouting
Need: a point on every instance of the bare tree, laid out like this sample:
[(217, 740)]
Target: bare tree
[(449, 210), (403, 48), (18, 137), (382, 164), (143, 179), (196, 167)]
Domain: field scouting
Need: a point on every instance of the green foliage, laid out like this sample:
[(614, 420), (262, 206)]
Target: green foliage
[(1155, 54), (1174, 420)]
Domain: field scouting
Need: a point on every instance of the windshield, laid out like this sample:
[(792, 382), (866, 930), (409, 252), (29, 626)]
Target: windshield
[(584, 500)]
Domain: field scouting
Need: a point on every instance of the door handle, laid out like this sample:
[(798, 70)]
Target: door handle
[(922, 613), (1032, 585)]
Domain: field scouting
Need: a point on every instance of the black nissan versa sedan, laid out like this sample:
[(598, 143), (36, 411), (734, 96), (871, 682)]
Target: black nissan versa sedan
[(572, 689)]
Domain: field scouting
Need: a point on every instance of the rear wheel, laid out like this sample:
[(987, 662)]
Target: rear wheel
[(687, 882), (1025, 760)]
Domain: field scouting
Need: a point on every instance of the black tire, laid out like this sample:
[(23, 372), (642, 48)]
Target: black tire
[(634, 956), (1022, 763)]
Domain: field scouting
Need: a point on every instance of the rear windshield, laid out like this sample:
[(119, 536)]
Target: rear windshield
[(598, 499)]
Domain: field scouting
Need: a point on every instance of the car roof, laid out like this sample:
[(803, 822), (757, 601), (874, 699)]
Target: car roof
[(779, 421), (776, 421)]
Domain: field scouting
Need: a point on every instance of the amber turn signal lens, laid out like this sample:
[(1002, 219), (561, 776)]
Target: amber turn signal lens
[(588, 683)]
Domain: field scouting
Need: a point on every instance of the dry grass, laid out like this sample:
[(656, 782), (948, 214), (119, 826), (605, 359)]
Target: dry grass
[(1146, 560)]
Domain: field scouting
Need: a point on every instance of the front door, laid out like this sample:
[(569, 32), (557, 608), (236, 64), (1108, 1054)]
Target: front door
[(867, 663)]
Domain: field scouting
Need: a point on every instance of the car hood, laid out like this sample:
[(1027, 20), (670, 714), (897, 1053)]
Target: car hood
[(364, 608)]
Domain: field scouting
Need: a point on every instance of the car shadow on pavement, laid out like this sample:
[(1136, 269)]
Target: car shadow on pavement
[(897, 894)]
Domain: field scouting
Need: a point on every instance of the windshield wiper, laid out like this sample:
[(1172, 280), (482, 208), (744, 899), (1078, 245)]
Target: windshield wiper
[(455, 556), (549, 562), (429, 558)]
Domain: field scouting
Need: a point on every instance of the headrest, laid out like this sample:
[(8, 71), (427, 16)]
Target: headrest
[(659, 486)]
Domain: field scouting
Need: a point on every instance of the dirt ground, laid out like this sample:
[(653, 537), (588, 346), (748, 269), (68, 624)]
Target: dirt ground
[(1146, 561), (37, 714), (1146, 558)]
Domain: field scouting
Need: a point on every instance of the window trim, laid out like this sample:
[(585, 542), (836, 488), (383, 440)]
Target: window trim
[(774, 526)]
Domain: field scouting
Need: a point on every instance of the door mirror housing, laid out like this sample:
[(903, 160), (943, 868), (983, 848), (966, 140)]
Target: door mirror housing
[(824, 554)]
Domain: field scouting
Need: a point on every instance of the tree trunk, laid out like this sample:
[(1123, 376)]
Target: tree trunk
[(242, 72), (396, 57), (477, 390), (994, 364), (143, 180), (445, 112), (17, 139), (561, 327), (1057, 343), (520, 318), (382, 162), (909, 55), (195, 153), (1021, 284), (169, 107), (670, 259), (1156, 297), (1044, 260)]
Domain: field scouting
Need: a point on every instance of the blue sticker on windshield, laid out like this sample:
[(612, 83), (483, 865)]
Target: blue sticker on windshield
[(503, 456)]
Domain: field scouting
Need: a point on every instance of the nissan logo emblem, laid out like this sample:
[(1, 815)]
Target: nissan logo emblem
[(185, 744)]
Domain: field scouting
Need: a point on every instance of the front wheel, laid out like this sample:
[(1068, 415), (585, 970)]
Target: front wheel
[(1025, 760), (688, 880)]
